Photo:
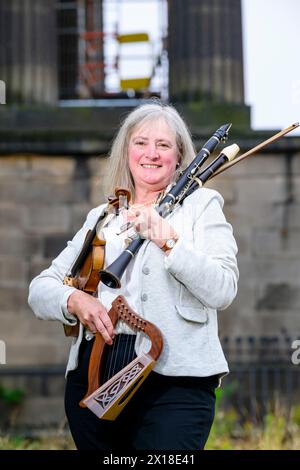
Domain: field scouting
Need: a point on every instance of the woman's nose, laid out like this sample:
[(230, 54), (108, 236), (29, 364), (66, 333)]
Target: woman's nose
[(151, 152)]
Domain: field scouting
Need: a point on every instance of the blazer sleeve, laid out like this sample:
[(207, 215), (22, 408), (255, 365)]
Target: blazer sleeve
[(207, 266), (48, 296)]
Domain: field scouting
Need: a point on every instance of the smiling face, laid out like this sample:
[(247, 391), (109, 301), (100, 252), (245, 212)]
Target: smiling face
[(152, 155)]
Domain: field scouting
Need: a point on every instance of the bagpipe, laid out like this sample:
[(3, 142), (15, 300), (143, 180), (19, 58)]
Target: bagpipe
[(107, 400)]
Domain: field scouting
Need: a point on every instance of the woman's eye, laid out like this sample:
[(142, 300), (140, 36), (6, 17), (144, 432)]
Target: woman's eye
[(163, 145)]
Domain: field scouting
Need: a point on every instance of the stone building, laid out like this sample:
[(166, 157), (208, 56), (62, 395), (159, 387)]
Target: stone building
[(53, 166)]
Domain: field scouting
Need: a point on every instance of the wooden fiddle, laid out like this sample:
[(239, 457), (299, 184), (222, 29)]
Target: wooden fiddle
[(84, 274)]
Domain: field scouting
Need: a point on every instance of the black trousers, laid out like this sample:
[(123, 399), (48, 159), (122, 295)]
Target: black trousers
[(166, 413)]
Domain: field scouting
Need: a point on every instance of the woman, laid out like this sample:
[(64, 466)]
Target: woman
[(184, 272)]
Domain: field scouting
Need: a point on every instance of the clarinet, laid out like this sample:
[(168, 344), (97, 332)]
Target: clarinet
[(112, 275)]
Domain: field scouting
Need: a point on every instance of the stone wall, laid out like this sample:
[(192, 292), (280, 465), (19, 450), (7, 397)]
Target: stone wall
[(262, 201), (44, 200)]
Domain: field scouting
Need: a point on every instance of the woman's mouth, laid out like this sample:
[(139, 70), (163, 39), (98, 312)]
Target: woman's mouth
[(150, 166)]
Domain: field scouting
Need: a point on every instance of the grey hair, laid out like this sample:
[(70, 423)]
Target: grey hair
[(119, 172)]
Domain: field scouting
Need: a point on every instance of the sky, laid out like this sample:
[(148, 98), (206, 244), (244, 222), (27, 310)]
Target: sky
[(271, 36), (271, 40)]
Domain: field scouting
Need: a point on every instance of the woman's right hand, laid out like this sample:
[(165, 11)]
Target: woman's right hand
[(92, 314)]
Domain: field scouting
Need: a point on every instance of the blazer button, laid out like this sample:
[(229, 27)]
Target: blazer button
[(146, 270), (144, 297)]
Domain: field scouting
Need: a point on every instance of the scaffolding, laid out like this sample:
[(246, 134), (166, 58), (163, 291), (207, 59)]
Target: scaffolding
[(103, 53)]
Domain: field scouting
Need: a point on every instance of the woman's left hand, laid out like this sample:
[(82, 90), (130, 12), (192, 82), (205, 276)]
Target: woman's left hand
[(149, 224)]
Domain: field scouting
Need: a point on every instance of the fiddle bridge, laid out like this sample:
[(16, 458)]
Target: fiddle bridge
[(108, 400)]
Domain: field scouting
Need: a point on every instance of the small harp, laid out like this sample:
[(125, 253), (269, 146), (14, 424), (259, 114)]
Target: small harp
[(107, 400)]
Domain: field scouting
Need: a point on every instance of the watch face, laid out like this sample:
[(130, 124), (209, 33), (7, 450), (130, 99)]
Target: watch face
[(170, 243)]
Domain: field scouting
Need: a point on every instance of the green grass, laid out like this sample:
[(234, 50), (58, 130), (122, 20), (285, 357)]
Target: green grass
[(42, 443), (279, 430)]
